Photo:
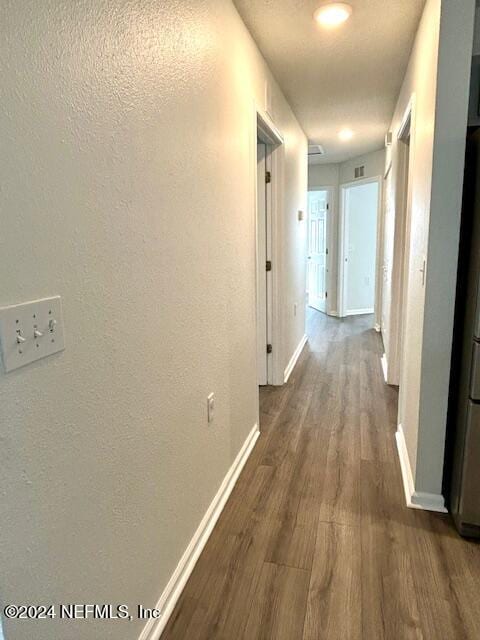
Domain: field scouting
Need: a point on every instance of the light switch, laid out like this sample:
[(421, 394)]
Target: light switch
[(31, 331)]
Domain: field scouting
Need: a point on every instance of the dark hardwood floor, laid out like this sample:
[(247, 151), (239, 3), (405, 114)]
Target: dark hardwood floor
[(315, 542)]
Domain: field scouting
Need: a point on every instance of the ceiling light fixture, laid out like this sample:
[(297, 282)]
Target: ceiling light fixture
[(332, 15), (345, 134)]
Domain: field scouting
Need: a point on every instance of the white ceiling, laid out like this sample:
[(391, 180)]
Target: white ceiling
[(344, 77)]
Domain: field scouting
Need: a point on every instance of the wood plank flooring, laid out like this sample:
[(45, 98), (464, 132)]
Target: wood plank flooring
[(315, 542)]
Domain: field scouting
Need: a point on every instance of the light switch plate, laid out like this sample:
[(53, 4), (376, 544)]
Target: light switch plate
[(31, 331)]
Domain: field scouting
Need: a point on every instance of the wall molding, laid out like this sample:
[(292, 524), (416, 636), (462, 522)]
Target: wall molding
[(415, 499), (154, 627), (384, 363), (293, 360), (358, 312)]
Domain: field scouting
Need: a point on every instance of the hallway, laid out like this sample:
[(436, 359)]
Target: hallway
[(178, 180), (315, 541)]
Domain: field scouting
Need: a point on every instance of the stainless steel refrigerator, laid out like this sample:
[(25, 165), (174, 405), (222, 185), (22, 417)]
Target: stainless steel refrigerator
[(463, 436)]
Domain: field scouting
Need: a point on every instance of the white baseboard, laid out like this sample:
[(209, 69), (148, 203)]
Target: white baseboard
[(333, 313), (384, 362), (176, 584), (415, 499), (357, 312), (294, 358)]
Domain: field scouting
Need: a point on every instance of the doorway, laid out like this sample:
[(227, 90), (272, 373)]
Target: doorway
[(404, 223), (268, 183), (360, 203), (263, 266), (317, 265), (396, 250)]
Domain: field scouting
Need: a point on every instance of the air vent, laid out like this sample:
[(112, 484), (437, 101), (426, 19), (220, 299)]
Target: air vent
[(359, 172), (315, 150)]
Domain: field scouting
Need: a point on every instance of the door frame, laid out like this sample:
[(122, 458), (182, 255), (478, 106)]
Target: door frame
[(403, 204), (330, 240), (380, 269), (268, 133), (342, 271)]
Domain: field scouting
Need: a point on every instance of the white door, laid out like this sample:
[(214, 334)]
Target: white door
[(262, 336), (318, 208), (359, 247)]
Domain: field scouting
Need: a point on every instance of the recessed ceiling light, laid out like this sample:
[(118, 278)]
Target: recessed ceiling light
[(333, 14), (345, 134)]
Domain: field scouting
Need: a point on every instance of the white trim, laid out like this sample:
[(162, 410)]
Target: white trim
[(406, 122), (268, 132), (384, 362), (356, 183), (415, 499), (263, 284), (379, 255), (176, 584), (358, 312), (267, 128), (293, 360), (428, 502), (331, 223), (388, 169), (331, 226), (276, 187), (405, 467), (341, 243), (401, 240)]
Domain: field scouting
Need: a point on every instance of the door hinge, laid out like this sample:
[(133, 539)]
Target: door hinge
[(326, 251), (328, 206), (269, 348), (268, 265), (326, 294), (268, 177)]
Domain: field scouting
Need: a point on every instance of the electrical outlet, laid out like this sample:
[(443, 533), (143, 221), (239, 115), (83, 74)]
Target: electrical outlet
[(210, 406)]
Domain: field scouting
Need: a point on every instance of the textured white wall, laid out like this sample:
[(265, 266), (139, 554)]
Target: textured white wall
[(456, 37), (127, 188), (332, 175), (440, 84), (374, 166), (323, 175)]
